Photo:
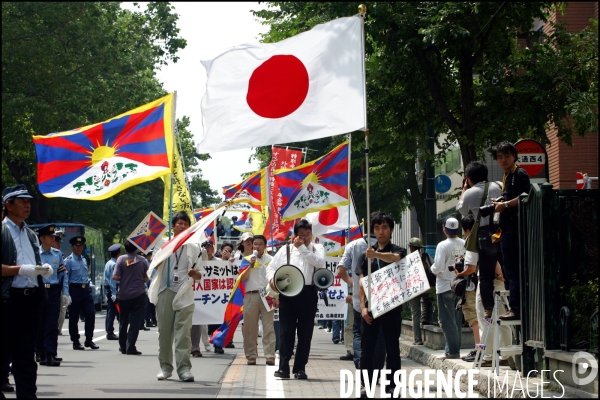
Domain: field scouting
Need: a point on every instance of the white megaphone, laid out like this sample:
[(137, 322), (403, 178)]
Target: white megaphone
[(322, 278), (288, 280)]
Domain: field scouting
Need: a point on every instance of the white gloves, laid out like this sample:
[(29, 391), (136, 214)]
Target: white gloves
[(68, 300), (31, 271), (113, 297), (47, 272), (28, 270)]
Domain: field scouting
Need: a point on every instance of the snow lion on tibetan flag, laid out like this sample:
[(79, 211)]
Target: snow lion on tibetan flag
[(100, 160), (314, 186), (311, 84)]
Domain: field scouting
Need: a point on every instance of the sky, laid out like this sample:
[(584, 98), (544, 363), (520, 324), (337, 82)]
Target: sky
[(209, 29)]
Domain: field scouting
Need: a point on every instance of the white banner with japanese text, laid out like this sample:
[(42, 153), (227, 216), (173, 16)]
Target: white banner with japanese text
[(396, 284), (336, 307), (212, 293)]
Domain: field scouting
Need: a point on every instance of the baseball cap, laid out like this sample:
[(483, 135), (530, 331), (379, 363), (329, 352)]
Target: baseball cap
[(451, 226), (415, 242), (247, 235)]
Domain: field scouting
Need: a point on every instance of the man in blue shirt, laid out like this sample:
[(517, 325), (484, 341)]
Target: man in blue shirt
[(57, 283), (22, 291), (81, 295), (110, 286)]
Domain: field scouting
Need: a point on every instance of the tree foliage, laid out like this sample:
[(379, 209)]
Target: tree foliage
[(457, 66), (66, 65)]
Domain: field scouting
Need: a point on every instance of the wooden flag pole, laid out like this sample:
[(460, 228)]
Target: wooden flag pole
[(362, 10)]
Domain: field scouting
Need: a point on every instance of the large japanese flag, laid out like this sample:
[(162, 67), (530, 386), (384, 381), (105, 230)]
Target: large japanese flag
[(306, 87), (332, 220)]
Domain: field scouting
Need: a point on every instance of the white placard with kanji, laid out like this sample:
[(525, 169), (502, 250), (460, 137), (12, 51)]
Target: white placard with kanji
[(396, 284), (336, 307), (211, 294)]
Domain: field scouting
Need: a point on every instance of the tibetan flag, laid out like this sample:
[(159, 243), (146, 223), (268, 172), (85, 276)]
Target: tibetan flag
[(250, 222), (234, 311), (148, 232), (314, 186), (251, 190), (356, 233), (98, 161), (201, 213), (333, 242)]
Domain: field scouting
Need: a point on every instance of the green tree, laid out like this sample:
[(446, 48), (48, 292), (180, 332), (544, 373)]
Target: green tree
[(458, 67), (66, 65)]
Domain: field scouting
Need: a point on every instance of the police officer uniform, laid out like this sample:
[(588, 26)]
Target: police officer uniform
[(81, 296), (55, 284), (110, 287)]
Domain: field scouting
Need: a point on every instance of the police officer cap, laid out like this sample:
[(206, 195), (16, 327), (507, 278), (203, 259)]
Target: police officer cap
[(77, 240), (48, 230), (115, 247), (13, 192)]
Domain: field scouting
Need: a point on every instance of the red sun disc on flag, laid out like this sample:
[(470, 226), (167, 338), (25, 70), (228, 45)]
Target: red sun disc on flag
[(329, 217), (277, 87)]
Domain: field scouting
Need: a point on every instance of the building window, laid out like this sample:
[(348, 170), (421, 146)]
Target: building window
[(450, 163)]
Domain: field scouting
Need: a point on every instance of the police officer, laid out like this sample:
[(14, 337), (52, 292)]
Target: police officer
[(81, 295), (110, 286), (22, 290), (65, 300), (57, 283)]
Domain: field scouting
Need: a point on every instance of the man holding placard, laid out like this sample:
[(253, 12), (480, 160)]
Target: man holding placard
[(382, 254)]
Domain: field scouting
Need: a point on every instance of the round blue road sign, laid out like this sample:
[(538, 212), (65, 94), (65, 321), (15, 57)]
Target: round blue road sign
[(442, 183)]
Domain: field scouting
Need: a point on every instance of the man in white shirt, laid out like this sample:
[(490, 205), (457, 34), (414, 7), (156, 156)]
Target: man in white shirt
[(450, 318), (256, 280), (297, 313)]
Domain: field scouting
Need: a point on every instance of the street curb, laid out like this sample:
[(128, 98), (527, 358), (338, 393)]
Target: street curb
[(428, 357)]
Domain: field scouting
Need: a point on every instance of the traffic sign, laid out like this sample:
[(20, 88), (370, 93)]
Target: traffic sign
[(442, 183), (580, 181), (532, 158)]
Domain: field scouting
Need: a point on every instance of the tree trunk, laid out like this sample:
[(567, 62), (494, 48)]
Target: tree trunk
[(466, 138), (417, 198)]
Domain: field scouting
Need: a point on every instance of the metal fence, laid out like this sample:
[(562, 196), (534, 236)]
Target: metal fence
[(558, 233)]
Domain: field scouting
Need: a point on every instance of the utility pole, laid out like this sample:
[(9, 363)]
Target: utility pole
[(430, 200)]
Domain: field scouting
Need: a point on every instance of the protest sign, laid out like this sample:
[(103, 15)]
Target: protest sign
[(396, 284), (336, 295), (212, 293)]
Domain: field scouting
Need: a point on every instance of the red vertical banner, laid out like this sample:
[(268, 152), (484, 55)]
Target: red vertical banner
[(280, 158)]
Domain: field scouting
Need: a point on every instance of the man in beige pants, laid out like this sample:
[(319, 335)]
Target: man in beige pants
[(254, 308), (171, 291)]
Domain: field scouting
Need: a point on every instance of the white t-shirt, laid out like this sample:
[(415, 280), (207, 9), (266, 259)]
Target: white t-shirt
[(445, 255)]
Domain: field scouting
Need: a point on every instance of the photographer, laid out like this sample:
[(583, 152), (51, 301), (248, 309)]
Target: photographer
[(514, 182), (474, 184)]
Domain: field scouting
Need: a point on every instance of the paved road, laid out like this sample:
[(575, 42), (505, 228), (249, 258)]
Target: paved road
[(107, 373)]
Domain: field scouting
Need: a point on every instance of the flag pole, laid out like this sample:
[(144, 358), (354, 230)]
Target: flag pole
[(173, 118), (362, 10), (349, 192)]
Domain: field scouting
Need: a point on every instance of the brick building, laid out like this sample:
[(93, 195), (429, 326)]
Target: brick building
[(564, 160)]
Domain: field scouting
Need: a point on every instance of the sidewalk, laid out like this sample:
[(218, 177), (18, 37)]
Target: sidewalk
[(324, 366)]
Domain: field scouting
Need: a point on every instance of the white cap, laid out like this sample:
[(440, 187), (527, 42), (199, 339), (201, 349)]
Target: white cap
[(247, 235), (451, 225)]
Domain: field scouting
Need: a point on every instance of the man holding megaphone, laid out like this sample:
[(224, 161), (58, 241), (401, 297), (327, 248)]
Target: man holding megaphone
[(291, 274)]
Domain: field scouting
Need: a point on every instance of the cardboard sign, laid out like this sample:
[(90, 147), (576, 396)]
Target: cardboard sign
[(396, 284)]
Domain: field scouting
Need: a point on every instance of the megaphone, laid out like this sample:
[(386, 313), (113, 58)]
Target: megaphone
[(289, 280), (322, 278)]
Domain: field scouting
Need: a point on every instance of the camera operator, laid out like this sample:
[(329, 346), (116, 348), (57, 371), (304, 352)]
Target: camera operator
[(474, 183), (514, 182)]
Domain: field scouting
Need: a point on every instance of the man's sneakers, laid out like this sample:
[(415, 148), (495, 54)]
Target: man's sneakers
[(336, 341), (271, 361), (281, 374), (418, 343), (348, 357), (509, 316), (300, 375), (7, 387), (186, 377), (219, 350), (111, 336), (90, 344), (469, 357), (163, 375), (449, 357)]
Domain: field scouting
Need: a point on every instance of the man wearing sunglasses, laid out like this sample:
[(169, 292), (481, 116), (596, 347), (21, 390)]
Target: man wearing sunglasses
[(81, 295)]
